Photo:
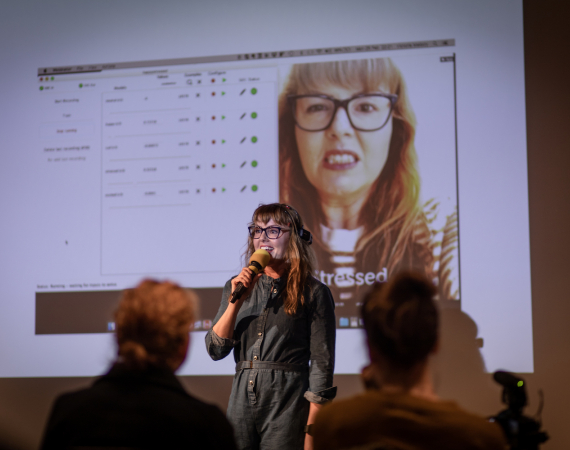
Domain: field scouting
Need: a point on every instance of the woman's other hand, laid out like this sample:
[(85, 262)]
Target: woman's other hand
[(309, 444), (314, 408)]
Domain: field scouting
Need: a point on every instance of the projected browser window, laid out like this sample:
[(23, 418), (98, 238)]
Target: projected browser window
[(362, 141), (183, 147), (167, 160)]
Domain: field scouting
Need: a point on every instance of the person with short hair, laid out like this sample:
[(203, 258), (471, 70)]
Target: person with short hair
[(402, 411), (139, 402)]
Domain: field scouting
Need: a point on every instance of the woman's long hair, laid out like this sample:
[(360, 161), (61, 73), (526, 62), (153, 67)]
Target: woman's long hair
[(391, 212), (299, 257)]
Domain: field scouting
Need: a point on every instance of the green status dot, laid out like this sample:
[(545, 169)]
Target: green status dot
[(253, 115), (254, 163), (80, 85), (254, 139), (253, 91), (41, 88), (254, 188), (51, 78)]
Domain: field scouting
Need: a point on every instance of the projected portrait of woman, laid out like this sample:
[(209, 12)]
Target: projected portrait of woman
[(348, 161)]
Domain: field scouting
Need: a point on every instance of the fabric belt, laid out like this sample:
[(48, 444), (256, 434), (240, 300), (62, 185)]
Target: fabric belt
[(271, 365)]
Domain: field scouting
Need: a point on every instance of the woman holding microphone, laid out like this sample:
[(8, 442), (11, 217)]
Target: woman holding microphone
[(282, 331)]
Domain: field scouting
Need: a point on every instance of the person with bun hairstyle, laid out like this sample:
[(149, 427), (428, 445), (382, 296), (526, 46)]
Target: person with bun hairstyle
[(282, 332), (402, 411), (139, 402)]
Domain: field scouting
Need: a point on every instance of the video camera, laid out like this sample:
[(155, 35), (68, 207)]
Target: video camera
[(522, 432)]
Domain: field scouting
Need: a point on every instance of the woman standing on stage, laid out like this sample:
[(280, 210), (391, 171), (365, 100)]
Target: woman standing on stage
[(282, 331)]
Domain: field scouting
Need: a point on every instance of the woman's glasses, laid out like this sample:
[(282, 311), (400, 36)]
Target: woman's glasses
[(271, 232), (366, 112)]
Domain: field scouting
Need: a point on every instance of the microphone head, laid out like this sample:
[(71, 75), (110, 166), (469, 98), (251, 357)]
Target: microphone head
[(261, 257), (507, 379), (514, 391)]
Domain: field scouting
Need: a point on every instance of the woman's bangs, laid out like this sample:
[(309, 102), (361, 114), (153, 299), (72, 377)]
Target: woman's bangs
[(273, 211), (367, 75)]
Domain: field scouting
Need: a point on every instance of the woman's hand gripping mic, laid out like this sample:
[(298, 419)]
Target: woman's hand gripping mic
[(242, 285)]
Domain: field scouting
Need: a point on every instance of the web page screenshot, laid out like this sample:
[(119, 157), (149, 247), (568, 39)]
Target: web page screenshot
[(180, 154)]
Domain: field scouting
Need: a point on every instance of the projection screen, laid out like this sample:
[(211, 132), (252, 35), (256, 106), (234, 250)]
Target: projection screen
[(125, 160)]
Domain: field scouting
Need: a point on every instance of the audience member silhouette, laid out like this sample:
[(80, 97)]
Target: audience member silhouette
[(140, 403), (402, 411)]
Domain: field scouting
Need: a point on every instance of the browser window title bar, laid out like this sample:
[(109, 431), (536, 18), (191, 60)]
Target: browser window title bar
[(87, 68)]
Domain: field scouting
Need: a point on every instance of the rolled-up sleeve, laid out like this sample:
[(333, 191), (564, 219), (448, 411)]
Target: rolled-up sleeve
[(322, 347), (219, 347)]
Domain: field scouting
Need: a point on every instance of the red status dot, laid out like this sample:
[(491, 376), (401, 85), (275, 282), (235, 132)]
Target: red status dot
[(213, 141), (213, 80), (213, 189), (213, 117), (213, 166), (213, 94)]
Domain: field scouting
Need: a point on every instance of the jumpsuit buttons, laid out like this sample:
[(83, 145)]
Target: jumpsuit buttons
[(257, 348)]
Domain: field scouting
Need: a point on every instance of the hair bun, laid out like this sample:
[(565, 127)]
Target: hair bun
[(152, 324), (134, 355), (401, 319), (414, 289)]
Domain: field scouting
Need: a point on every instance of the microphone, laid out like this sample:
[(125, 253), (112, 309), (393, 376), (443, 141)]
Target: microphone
[(257, 263), (507, 379), (514, 391)]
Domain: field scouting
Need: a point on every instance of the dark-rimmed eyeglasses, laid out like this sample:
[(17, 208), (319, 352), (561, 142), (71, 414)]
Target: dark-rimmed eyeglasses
[(366, 112), (271, 232)]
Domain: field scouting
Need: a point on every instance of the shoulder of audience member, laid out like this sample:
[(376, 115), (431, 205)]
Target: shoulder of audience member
[(360, 414), (220, 429), (215, 424), (339, 415), (476, 428)]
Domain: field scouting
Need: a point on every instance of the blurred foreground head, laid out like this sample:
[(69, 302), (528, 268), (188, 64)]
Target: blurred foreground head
[(401, 321), (153, 323)]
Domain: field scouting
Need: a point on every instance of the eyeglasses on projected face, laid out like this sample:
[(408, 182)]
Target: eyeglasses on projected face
[(271, 232), (366, 112)]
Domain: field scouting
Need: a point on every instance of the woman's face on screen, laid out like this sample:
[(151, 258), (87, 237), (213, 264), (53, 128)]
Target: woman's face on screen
[(341, 162)]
